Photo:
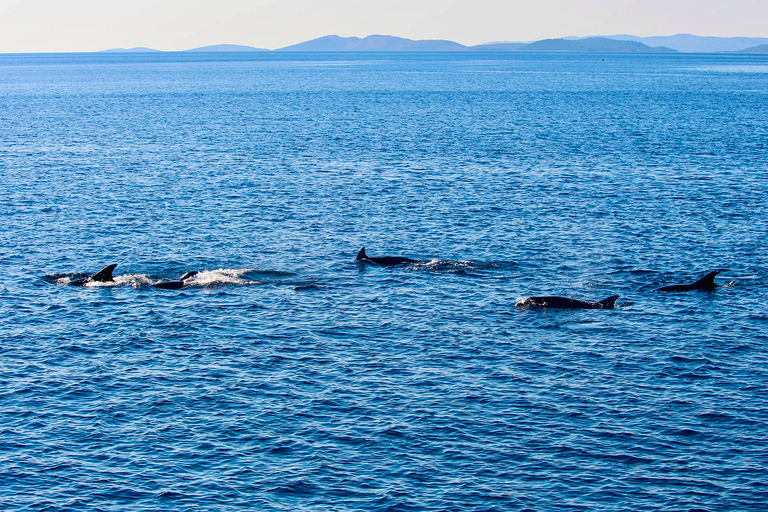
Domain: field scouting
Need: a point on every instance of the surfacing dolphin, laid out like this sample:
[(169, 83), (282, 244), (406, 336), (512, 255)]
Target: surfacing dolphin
[(176, 284), (706, 283), (566, 303), (102, 276), (385, 261)]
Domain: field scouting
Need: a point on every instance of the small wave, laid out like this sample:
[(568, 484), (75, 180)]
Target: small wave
[(522, 303), (685, 359), (588, 326), (694, 376), (437, 265), (298, 487), (134, 280), (307, 287), (267, 274), (222, 276), (204, 278), (733, 68), (63, 279), (716, 417)]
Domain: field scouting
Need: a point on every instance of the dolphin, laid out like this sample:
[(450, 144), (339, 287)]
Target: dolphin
[(706, 283), (176, 284), (384, 261), (566, 303), (102, 276)]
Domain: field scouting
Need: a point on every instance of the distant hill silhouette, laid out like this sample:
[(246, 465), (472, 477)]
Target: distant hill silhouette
[(379, 43), (617, 43), (375, 43), (593, 44), (762, 48), (138, 49), (227, 48), (696, 44)]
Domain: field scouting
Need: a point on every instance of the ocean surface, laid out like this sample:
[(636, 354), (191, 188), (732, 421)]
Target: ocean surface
[(286, 377)]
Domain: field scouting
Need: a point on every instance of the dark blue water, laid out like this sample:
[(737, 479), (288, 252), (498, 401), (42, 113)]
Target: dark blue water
[(287, 377)]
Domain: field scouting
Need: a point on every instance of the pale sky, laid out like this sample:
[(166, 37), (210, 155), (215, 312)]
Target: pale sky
[(93, 25)]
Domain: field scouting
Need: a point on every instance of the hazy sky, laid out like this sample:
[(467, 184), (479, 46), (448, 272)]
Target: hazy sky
[(92, 25)]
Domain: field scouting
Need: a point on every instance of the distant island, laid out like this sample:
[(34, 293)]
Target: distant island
[(759, 49), (594, 44), (138, 49), (227, 48), (374, 43), (686, 43), (212, 48)]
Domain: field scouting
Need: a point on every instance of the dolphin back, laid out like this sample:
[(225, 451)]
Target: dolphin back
[(566, 303), (385, 261), (169, 285), (705, 283)]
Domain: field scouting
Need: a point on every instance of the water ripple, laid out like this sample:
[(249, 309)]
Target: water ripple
[(287, 377)]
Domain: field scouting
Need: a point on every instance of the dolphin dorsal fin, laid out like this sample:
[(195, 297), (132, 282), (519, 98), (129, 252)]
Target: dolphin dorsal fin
[(361, 255), (707, 282), (609, 302), (104, 275), (189, 275)]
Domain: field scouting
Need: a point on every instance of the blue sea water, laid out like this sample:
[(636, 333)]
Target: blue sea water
[(287, 377)]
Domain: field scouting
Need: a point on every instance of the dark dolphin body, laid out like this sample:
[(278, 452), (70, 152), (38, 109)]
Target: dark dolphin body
[(177, 284), (706, 283), (566, 303), (102, 276), (385, 261)]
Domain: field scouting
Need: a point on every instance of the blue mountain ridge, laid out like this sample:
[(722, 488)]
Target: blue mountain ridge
[(211, 48), (594, 44), (373, 43), (615, 43), (759, 49), (138, 49), (689, 43), (391, 43)]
